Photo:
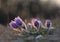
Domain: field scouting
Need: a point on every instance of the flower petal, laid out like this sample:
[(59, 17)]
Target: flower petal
[(13, 24), (18, 21)]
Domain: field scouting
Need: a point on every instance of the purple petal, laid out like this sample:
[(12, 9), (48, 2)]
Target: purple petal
[(36, 23), (18, 22), (13, 24)]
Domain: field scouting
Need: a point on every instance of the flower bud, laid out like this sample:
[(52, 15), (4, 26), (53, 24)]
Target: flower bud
[(48, 23)]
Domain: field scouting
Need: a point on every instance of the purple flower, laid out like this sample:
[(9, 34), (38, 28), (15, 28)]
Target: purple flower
[(48, 23), (13, 24), (18, 21), (36, 23)]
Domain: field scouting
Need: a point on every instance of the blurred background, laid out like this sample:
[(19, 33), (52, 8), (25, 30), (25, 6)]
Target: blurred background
[(9, 9), (26, 9)]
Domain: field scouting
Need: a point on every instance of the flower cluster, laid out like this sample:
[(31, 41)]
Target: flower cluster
[(35, 24), (18, 22)]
